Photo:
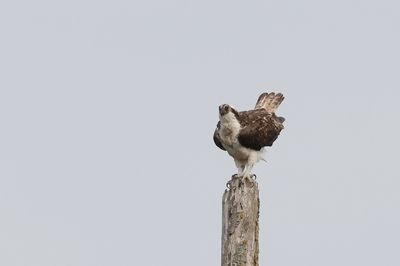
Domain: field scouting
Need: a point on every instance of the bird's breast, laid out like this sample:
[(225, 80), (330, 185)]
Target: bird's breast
[(237, 151), (229, 132)]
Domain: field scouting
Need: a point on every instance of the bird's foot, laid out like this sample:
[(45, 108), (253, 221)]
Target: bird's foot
[(241, 178), (251, 179), (228, 184)]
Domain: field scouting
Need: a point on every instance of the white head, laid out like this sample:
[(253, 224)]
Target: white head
[(227, 110)]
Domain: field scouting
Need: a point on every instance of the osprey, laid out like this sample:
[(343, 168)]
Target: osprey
[(245, 134)]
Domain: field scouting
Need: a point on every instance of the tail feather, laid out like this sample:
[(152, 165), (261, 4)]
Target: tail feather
[(269, 101)]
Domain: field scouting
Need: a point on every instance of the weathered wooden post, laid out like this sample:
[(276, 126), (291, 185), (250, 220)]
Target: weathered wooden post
[(240, 212)]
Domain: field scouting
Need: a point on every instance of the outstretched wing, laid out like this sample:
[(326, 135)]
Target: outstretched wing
[(269, 101), (217, 139), (259, 129)]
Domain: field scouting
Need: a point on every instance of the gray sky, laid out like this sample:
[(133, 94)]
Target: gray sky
[(107, 110)]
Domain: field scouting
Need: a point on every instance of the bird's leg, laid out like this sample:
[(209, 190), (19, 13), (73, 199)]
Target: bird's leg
[(240, 171), (247, 173), (250, 168), (245, 170), (239, 167)]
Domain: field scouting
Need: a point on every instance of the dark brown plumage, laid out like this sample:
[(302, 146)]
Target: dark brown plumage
[(217, 140), (259, 127)]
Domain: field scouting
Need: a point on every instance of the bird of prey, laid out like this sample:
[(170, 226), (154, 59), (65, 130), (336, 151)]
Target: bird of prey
[(244, 135)]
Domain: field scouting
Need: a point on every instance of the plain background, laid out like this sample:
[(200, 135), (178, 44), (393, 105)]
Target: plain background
[(107, 110)]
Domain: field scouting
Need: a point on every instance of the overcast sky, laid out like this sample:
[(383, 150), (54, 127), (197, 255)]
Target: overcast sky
[(107, 110)]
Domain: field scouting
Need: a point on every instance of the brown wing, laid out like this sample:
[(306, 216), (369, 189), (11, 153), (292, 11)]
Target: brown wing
[(259, 129), (217, 139), (269, 101)]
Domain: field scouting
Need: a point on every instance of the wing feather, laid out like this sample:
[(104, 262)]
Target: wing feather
[(217, 139), (269, 101), (259, 129)]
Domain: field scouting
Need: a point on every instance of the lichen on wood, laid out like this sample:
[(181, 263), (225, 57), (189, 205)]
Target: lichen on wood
[(240, 212)]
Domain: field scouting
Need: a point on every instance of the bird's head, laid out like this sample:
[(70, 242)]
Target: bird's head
[(226, 109)]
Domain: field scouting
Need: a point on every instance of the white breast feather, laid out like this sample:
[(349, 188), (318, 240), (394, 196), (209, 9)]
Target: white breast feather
[(229, 131)]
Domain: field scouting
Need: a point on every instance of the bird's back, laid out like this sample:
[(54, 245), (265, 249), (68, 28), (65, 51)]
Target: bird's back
[(259, 128)]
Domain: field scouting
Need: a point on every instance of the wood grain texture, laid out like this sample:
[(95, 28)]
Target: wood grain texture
[(240, 212)]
